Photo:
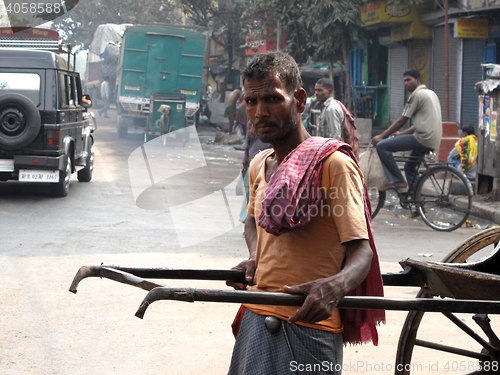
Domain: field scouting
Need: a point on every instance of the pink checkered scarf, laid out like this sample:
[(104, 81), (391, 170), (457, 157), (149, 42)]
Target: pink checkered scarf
[(295, 188)]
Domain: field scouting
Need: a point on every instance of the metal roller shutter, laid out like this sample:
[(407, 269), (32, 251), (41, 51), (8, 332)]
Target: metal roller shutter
[(438, 83), (399, 64), (471, 73)]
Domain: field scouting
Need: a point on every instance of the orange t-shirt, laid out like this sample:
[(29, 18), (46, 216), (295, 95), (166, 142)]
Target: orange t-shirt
[(315, 251)]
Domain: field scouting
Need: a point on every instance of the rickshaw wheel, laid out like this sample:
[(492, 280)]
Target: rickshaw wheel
[(408, 338)]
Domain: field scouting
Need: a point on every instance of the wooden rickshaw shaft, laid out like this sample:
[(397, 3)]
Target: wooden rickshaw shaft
[(284, 299), (160, 292)]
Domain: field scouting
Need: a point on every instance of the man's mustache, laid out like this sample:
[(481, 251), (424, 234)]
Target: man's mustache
[(263, 123)]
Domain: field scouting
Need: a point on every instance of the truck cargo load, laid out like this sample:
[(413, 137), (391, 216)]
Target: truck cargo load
[(103, 58)]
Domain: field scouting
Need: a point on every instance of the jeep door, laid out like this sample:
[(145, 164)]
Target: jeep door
[(71, 112)]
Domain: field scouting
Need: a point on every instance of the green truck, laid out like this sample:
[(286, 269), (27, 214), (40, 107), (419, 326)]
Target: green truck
[(159, 78)]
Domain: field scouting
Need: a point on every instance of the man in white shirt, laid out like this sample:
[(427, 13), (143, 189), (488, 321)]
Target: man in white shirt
[(331, 118), (105, 98)]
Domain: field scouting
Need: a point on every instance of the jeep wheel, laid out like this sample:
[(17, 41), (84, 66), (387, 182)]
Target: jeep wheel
[(61, 189), (85, 174), (19, 121)]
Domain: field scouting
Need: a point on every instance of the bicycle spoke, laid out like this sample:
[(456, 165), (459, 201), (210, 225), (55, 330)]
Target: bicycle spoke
[(435, 184), (443, 199)]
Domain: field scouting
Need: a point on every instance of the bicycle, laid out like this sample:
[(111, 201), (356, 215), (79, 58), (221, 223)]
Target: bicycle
[(442, 196)]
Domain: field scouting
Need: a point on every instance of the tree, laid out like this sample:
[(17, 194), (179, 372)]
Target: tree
[(336, 31), (325, 29), (294, 16), (78, 26), (228, 19)]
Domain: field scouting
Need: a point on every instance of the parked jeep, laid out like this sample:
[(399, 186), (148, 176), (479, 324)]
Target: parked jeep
[(45, 132)]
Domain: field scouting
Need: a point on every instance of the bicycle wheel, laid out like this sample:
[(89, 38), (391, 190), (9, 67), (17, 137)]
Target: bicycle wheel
[(444, 198), (377, 199)]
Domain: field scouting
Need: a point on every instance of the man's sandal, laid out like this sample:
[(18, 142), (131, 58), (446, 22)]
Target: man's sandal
[(396, 185)]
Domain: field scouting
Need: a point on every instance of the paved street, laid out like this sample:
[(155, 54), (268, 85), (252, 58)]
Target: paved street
[(128, 215)]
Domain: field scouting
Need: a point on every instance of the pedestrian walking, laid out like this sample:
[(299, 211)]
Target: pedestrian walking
[(105, 95), (335, 120), (232, 106)]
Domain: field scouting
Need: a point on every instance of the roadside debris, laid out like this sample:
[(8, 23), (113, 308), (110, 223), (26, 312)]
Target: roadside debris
[(226, 139), (391, 224)]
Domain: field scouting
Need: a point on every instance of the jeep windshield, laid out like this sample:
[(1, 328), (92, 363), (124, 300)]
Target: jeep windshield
[(27, 84)]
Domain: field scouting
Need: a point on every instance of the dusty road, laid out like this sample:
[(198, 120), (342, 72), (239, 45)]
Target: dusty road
[(45, 330)]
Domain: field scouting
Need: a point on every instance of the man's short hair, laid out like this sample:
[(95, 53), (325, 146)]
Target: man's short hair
[(325, 82), (469, 129), (274, 62), (412, 72)]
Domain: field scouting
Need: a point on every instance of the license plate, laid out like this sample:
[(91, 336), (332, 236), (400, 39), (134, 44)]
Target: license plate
[(29, 175)]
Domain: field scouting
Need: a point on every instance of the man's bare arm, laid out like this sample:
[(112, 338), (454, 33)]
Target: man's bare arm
[(251, 234), (323, 295), (410, 130), (392, 129), (248, 265)]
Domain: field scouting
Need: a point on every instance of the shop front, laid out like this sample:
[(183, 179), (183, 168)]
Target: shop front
[(399, 42), (473, 34)]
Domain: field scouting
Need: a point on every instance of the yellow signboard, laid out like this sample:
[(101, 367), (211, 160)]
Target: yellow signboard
[(387, 11), (410, 30), (471, 28), (371, 13), (420, 49)]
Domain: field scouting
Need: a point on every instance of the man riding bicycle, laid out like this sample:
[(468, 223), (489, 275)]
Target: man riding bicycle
[(424, 110)]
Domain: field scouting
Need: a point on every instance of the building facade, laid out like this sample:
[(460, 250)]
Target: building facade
[(403, 36)]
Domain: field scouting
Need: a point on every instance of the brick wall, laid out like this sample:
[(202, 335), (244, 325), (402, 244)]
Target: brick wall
[(450, 137)]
